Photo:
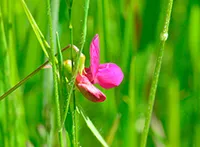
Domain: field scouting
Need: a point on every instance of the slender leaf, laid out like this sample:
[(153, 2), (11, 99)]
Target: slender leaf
[(44, 44), (92, 127)]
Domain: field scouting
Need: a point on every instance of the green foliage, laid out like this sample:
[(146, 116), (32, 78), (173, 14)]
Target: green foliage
[(129, 36)]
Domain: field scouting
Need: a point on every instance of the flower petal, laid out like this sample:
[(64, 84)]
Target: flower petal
[(89, 75), (109, 75), (94, 55), (88, 90)]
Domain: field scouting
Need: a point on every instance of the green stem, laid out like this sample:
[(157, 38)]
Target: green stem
[(61, 76), (23, 81), (73, 93), (75, 140), (71, 89), (71, 31), (163, 38), (60, 138), (56, 110), (104, 14), (27, 78), (55, 12)]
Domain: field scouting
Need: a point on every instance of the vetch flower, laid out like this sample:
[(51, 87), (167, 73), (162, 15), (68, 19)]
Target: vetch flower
[(107, 75), (88, 89)]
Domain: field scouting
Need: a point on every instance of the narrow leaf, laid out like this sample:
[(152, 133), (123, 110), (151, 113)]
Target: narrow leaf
[(92, 127), (63, 93), (36, 29)]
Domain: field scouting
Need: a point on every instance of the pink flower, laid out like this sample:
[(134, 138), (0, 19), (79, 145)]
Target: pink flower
[(107, 75), (88, 89)]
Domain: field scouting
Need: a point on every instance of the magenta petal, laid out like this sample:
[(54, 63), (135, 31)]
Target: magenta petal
[(89, 75), (88, 90), (109, 75), (94, 55)]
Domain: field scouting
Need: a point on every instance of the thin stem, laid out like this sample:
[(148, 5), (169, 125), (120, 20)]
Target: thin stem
[(27, 77), (73, 93), (71, 30), (84, 31), (163, 38), (104, 14), (78, 57), (23, 81), (55, 79), (75, 140), (61, 76)]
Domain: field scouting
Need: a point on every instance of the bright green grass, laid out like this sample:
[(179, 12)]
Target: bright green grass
[(130, 37)]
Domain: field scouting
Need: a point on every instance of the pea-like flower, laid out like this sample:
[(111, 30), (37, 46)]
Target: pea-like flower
[(107, 75)]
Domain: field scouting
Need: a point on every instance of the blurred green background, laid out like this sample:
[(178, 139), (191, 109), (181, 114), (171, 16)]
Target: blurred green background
[(129, 36)]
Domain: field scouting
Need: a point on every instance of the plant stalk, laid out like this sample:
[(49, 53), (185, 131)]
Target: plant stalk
[(163, 38), (74, 132), (56, 111), (78, 58), (27, 77)]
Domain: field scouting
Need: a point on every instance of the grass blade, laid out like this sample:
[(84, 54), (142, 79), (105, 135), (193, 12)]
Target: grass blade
[(112, 133), (45, 46), (16, 119), (4, 81), (92, 127), (195, 54), (132, 135), (73, 102), (56, 108), (62, 79), (174, 117)]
